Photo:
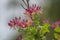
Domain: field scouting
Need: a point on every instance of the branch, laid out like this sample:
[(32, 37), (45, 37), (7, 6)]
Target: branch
[(27, 3), (22, 6), (24, 2)]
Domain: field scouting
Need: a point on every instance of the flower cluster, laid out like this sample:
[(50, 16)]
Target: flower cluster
[(32, 10), (18, 23), (14, 22), (25, 23)]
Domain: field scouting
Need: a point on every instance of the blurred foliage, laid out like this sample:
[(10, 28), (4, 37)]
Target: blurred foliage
[(53, 11), (57, 29)]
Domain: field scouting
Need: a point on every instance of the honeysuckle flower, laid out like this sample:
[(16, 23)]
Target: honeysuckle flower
[(32, 10), (18, 23), (14, 22), (35, 8), (56, 24), (24, 24)]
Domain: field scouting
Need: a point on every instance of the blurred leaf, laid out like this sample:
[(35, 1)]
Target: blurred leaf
[(44, 38), (33, 30), (29, 37), (36, 18), (57, 36), (57, 29), (44, 29), (46, 25)]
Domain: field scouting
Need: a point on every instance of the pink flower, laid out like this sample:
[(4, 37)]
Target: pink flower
[(14, 22), (29, 10), (45, 21), (56, 24), (32, 9), (23, 24), (35, 8), (11, 23), (18, 23), (53, 25)]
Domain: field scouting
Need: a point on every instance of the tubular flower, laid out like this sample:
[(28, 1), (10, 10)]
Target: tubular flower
[(32, 10), (18, 23), (23, 23), (56, 24), (14, 22), (26, 23)]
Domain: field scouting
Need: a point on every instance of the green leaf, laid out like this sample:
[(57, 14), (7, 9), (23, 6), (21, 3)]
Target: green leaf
[(56, 35), (44, 38), (28, 37), (33, 30), (57, 29), (43, 31), (46, 25)]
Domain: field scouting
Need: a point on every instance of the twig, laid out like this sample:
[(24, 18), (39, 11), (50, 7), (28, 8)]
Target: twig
[(24, 2), (22, 6), (27, 3)]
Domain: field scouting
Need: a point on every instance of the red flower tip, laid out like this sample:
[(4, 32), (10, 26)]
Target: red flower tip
[(14, 22)]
